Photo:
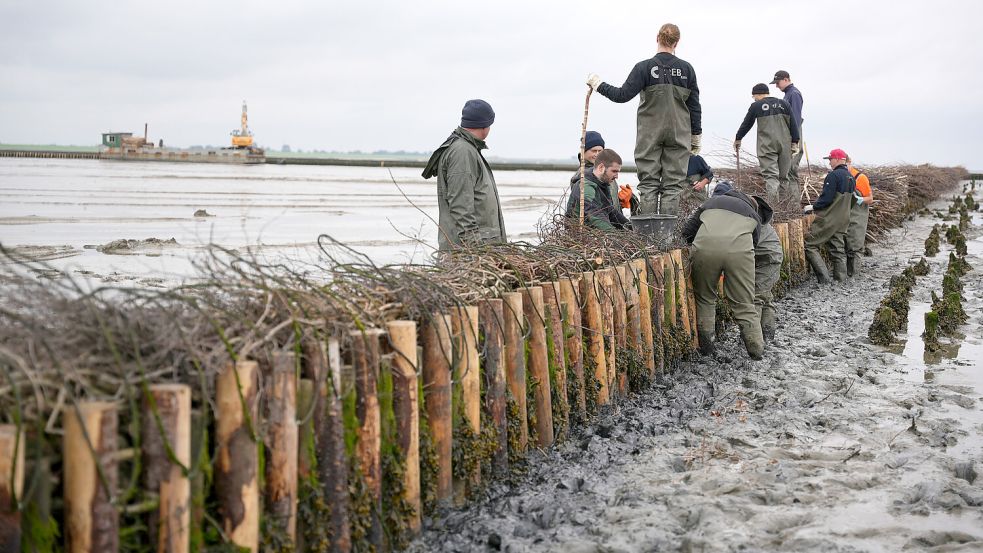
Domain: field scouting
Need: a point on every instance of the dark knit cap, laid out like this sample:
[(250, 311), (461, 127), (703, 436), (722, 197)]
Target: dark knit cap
[(477, 114), (760, 88), (592, 139)]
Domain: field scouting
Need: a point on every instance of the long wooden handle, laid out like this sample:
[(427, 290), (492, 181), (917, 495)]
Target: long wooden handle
[(583, 150)]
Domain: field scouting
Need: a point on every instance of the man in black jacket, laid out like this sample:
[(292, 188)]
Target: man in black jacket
[(778, 141), (832, 209), (724, 232)]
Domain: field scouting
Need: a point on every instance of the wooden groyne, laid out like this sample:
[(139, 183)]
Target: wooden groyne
[(50, 154)]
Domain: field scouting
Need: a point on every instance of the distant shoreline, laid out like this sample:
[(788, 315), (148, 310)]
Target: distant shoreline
[(340, 160)]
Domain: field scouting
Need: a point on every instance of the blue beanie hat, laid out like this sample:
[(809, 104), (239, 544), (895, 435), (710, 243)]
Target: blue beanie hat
[(477, 114), (592, 139), (723, 186)]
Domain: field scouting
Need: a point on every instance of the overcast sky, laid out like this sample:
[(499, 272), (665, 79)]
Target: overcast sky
[(887, 81)]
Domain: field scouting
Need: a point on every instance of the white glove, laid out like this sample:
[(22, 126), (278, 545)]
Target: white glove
[(807, 209), (795, 148), (594, 81), (695, 144), (737, 145)]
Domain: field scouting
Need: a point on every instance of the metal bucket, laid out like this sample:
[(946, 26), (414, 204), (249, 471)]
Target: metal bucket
[(654, 226)]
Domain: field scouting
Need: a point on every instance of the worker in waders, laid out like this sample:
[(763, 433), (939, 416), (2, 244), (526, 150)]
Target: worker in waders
[(832, 209), (768, 257), (778, 141), (794, 98), (698, 176), (856, 233), (668, 125), (469, 211), (602, 210), (723, 233)]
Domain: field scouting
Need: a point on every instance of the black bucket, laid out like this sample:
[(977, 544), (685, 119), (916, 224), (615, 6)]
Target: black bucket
[(654, 226)]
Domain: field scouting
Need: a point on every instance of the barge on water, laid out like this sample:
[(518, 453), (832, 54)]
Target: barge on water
[(124, 146)]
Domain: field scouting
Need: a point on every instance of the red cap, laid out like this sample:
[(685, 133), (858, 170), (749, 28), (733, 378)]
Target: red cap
[(836, 154)]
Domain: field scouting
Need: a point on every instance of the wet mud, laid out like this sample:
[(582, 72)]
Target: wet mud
[(128, 246), (828, 444)]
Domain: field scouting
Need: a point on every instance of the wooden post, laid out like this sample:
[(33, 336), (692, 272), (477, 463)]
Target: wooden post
[(797, 231), (90, 473), (12, 448), (515, 361), (682, 300), (532, 305), (464, 325), (491, 316), (591, 290), (166, 425), (658, 296), (282, 439), (365, 362), (571, 304), (644, 313), (690, 294), (669, 284), (237, 459), (305, 437), (437, 398), (329, 431), (402, 337), (622, 284), (557, 357), (611, 347)]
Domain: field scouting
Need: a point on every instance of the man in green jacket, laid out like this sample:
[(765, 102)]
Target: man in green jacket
[(601, 211), (470, 213), (832, 209)]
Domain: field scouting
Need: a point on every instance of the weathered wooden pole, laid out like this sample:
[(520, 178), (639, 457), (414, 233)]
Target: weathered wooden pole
[(532, 305), (557, 358), (574, 345), (90, 473), (644, 313), (607, 321), (658, 297), (166, 425), (437, 398), (593, 318), (365, 362), (669, 283), (12, 448), (324, 362), (306, 459), (237, 456), (402, 337), (682, 302), (282, 439), (515, 362), (464, 324), (620, 314), (491, 317), (690, 296)]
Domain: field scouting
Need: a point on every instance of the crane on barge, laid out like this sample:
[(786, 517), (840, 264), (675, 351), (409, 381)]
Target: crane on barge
[(242, 137)]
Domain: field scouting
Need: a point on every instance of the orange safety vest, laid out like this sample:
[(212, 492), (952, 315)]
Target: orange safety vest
[(863, 183)]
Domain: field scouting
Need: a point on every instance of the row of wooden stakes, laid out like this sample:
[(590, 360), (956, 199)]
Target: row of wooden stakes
[(551, 336)]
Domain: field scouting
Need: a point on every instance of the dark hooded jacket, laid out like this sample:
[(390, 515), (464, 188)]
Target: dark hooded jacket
[(601, 211), (769, 247)]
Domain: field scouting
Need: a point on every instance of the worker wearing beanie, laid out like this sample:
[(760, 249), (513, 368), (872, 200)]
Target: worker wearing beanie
[(856, 233), (832, 209), (723, 233), (470, 213), (620, 193), (668, 127), (778, 141)]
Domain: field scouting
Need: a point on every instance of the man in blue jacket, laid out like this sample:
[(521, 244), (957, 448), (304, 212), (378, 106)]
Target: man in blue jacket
[(832, 209)]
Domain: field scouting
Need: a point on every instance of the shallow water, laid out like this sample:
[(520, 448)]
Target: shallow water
[(281, 208)]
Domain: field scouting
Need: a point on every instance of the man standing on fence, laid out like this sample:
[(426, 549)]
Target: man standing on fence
[(778, 141), (832, 210), (856, 234), (668, 126), (601, 206), (470, 213), (794, 98), (724, 232)]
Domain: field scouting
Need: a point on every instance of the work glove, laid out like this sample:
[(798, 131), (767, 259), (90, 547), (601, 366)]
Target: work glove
[(624, 196), (795, 148), (808, 209), (737, 145), (695, 144), (594, 81), (859, 198)]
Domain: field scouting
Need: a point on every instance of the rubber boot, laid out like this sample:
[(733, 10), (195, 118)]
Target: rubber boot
[(839, 270), (755, 349), (852, 268), (818, 266), (768, 325), (706, 343)]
